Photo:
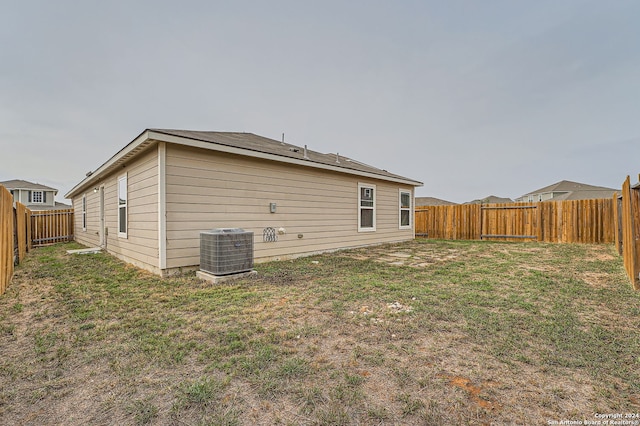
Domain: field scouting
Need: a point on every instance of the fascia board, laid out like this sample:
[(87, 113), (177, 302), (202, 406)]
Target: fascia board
[(133, 145)]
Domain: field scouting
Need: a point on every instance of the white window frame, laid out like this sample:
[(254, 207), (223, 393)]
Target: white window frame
[(84, 212), (124, 206), (33, 197), (361, 207), (401, 209)]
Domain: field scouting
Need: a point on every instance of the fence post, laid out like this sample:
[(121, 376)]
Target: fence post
[(635, 214), (16, 240), (28, 225), (630, 232), (6, 238), (539, 224), (617, 226), (478, 213), (21, 231)]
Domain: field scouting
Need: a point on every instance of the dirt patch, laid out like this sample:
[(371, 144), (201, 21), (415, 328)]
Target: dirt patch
[(603, 257), (597, 279), (473, 391), (415, 257)]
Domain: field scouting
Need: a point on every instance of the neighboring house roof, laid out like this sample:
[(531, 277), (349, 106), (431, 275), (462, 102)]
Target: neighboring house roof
[(247, 144), (586, 195), (574, 191), (432, 201), (491, 199), (57, 206), (29, 186)]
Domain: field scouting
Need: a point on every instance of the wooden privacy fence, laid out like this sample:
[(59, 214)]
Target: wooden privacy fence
[(628, 238), (458, 222), (21, 229), (575, 221), (15, 235), (51, 226)]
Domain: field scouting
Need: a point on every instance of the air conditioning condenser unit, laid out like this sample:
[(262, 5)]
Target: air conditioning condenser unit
[(225, 251)]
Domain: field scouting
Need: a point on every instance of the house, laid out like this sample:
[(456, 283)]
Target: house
[(491, 199), (34, 195), (149, 202), (567, 190), (432, 201)]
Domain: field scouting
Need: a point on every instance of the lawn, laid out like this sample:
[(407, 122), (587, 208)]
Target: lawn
[(451, 333)]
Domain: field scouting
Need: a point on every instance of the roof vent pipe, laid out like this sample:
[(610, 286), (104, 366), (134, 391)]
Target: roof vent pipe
[(282, 138), (337, 157), (306, 157)]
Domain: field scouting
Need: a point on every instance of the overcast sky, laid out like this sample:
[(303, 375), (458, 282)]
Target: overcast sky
[(473, 98)]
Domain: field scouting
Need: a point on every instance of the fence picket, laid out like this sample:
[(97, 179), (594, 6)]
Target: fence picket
[(51, 226), (585, 221)]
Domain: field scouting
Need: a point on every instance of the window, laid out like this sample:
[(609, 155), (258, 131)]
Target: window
[(84, 212), (122, 206), (366, 207), (37, 197), (405, 209)]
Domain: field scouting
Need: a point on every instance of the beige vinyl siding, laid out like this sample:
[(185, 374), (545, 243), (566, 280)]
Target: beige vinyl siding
[(207, 190), (90, 237), (141, 245)]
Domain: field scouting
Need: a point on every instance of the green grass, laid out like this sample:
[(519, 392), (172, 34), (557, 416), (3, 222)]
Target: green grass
[(143, 412), (204, 390), (494, 333)]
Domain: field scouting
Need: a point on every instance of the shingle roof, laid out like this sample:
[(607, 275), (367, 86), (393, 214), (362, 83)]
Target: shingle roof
[(569, 186), (574, 191), (247, 144), (586, 194), (23, 184), (432, 201), (262, 144), (491, 199)]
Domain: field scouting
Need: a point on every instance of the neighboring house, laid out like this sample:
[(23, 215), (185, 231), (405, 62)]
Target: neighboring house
[(567, 190), (149, 202), (432, 201), (34, 195), (491, 199)]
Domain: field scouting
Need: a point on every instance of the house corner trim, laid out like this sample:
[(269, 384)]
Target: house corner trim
[(162, 205)]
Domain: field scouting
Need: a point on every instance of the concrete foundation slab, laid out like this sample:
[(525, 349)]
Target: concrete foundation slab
[(216, 279), (85, 251)]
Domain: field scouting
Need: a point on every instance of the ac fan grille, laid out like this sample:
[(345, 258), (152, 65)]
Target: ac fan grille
[(226, 251)]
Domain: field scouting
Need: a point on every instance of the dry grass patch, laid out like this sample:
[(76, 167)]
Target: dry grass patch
[(459, 333)]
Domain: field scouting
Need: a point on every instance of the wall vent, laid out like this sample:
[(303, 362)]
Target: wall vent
[(225, 251)]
